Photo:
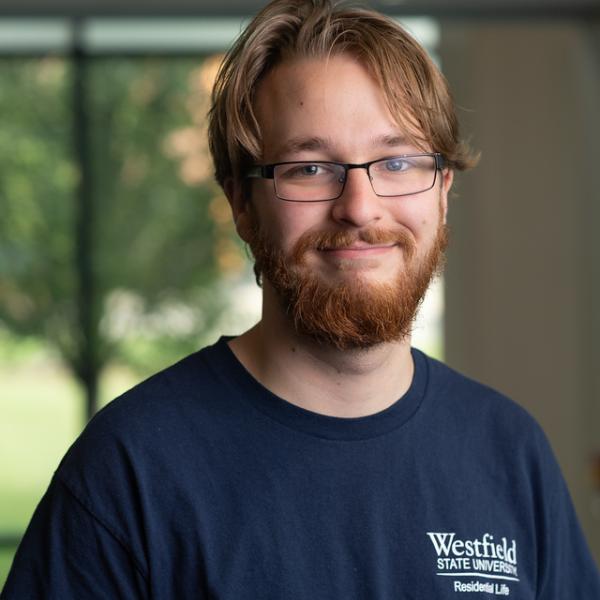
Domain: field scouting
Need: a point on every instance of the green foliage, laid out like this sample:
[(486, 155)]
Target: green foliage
[(36, 186), (155, 233), (154, 238)]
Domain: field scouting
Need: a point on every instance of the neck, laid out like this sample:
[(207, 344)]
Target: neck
[(321, 378)]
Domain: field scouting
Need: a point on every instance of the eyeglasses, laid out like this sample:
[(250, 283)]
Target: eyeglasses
[(317, 181)]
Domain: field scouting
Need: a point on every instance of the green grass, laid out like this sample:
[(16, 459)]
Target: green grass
[(6, 556), (41, 413)]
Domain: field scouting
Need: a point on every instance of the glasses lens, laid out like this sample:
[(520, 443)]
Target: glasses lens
[(308, 181), (403, 175)]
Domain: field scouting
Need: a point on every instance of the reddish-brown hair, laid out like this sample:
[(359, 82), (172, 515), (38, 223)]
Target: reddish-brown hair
[(416, 92)]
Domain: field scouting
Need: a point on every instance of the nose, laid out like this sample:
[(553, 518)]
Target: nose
[(358, 205)]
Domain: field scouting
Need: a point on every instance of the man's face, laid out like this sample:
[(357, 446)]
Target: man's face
[(350, 271)]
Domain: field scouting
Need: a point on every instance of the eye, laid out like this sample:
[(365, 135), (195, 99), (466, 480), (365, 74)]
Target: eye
[(395, 164), (306, 171), (310, 169)]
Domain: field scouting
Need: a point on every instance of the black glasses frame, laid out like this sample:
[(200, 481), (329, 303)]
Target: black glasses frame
[(268, 172)]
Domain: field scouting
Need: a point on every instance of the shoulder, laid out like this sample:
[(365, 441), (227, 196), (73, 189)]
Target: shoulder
[(187, 387), (479, 426), (154, 423), (479, 412), (456, 393)]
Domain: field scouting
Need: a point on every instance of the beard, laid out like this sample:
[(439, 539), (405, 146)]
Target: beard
[(353, 313)]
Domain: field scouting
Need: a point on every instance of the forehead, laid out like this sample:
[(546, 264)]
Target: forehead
[(332, 106)]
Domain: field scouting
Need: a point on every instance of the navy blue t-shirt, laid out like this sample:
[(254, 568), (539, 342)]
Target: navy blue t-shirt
[(200, 483)]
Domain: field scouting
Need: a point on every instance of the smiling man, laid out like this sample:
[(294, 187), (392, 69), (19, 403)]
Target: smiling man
[(346, 250), (317, 455)]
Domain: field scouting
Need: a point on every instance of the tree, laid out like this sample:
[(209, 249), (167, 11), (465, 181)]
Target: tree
[(160, 235)]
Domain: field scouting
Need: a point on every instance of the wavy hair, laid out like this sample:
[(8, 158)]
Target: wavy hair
[(415, 91)]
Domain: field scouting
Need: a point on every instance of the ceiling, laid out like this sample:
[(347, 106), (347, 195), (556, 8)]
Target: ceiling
[(176, 8)]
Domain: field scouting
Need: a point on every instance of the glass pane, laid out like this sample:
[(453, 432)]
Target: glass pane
[(164, 254), (37, 180)]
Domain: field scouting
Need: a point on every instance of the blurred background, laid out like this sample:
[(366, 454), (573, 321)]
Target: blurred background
[(118, 256)]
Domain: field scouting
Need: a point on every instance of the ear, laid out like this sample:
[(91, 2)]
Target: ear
[(239, 207), (447, 179)]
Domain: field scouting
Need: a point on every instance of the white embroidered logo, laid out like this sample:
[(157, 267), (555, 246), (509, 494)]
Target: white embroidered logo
[(489, 561)]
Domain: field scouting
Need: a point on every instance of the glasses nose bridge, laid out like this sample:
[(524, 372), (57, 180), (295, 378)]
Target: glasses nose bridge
[(365, 166), (349, 166)]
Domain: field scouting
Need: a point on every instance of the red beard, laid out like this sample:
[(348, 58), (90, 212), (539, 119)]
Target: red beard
[(354, 313)]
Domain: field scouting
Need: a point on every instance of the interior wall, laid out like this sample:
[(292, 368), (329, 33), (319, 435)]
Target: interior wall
[(523, 275)]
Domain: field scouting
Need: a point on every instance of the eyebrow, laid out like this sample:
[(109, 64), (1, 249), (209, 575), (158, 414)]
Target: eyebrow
[(300, 144), (391, 140), (313, 143)]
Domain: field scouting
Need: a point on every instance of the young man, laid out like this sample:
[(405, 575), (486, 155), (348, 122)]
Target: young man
[(317, 456)]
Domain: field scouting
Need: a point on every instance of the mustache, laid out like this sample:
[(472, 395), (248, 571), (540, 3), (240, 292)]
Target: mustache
[(335, 239)]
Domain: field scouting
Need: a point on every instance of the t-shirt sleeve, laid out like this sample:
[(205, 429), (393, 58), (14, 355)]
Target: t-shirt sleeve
[(67, 552), (567, 568)]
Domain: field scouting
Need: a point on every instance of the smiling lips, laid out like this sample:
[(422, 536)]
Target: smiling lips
[(344, 246), (358, 250)]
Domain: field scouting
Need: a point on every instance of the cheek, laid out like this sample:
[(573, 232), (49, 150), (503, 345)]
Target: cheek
[(286, 222), (420, 215), (414, 218)]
